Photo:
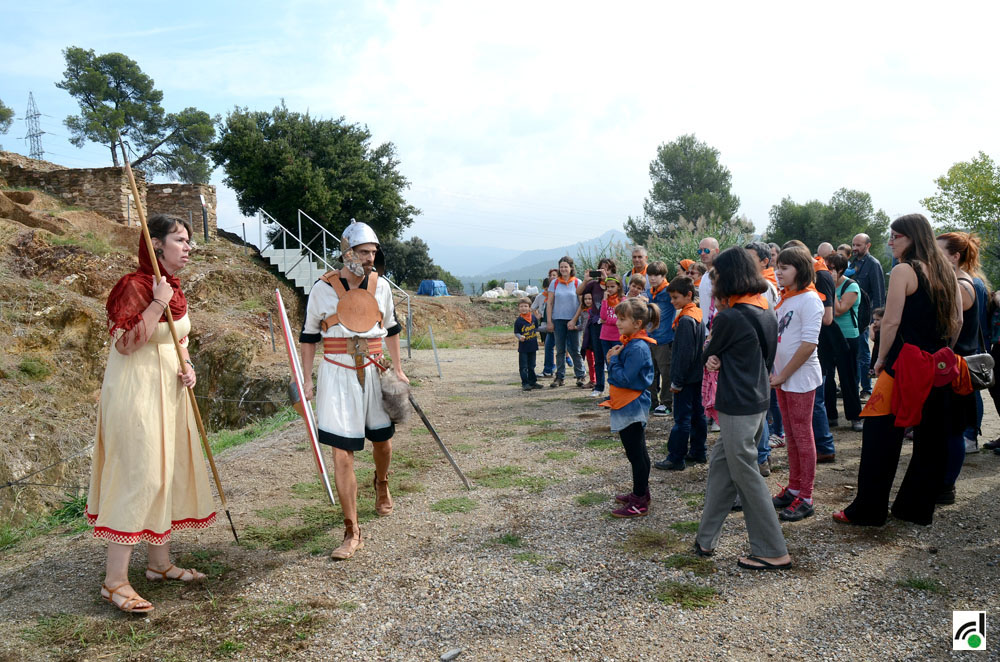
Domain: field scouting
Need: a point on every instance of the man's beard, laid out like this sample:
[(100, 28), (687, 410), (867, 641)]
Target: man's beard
[(353, 264)]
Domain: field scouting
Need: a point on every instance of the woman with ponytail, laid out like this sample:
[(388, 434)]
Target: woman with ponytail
[(962, 250), (922, 316)]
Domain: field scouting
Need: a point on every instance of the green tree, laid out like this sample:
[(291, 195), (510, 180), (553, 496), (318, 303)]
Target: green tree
[(454, 284), (408, 262), (282, 161), (115, 96), (6, 117), (968, 198), (848, 213), (689, 182)]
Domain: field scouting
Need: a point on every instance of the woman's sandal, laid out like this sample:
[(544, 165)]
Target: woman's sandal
[(758, 563), (155, 575), (704, 553), (132, 605)]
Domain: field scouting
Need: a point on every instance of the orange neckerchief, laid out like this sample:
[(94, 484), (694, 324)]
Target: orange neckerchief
[(643, 272), (788, 294), (697, 282), (752, 299), (768, 275), (622, 396), (690, 310), (819, 264), (526, 317), (567, 282), (613, 301), (654, 292)]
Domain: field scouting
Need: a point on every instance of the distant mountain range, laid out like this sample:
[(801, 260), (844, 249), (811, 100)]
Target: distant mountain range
[(482, 264)]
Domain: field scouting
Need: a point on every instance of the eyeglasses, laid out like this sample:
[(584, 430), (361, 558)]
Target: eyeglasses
[(704, 251), (893, 236)]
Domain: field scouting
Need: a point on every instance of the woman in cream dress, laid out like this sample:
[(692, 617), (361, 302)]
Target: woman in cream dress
[(148, 476)]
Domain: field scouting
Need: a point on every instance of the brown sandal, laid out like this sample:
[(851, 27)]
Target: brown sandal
[(352, 542), (383, 500), (131, 605), (163, 575)]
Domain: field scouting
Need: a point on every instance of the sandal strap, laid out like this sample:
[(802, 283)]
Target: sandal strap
[(163, 573), (128, 603)]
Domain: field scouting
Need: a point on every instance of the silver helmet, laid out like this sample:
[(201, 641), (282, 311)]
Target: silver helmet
[(357, 234)]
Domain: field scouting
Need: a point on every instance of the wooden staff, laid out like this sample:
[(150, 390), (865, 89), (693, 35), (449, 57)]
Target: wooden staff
[(173, 332)]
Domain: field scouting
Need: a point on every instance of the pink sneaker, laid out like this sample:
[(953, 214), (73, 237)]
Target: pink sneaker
[(636, 507)]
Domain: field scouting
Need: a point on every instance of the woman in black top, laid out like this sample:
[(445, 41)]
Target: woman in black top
[(744, 339), (962, 250), (921, 309)]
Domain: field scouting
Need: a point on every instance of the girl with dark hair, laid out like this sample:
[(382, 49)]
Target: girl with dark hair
[(148, 476), (846, 309), (962, 250), (560, 312), (922, 316), (630, 374), (742, 350)]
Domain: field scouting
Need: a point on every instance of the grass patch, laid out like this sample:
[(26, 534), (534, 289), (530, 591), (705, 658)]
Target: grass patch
[(560, 456), (348, 606), (252, 305), (556, 566), (921, 584), (508, 539), (695, 564), (281, 538), (404, 459), (603, 444), (485, 382), (694, 499), (686, 596), (548, 435), (590, 499), (587, 470), (34, 368), (454, 505), (276, 513), (419, 431), (507, 476), (459, 398), (685, 527), (463, 448), (585, 400), (228, 648), (529, 557), (313, 490), (647, 542), (224, 439), (497, 328), (88, 241), (531, 421), (67, 518)]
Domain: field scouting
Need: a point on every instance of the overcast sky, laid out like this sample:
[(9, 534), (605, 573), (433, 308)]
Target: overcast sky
[(532, 124)]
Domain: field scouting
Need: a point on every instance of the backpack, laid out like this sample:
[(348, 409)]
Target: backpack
[(864, 313)]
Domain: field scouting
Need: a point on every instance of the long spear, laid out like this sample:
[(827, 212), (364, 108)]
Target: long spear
[(173, 332)]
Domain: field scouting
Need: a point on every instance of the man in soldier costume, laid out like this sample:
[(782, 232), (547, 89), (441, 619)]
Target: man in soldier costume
[(351, 312)]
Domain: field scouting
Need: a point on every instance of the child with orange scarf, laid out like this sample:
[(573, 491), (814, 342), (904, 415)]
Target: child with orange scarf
[(630, 374)]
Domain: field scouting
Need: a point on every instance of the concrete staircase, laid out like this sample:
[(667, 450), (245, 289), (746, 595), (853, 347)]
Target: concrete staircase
[(301, 270)]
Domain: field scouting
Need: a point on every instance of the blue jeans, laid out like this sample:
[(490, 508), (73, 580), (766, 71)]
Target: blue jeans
[(821, 426), (864, 362), (764, 444), (689, 423), (607, 345), (549, 366), (567, 340), (973, 432), (526, 365), (594, 338), (775, 414)]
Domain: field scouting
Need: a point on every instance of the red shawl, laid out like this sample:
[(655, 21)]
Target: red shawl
[(134, 292)]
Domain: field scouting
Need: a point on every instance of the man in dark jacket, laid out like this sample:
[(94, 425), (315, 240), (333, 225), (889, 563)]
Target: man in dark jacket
[(871, 280)]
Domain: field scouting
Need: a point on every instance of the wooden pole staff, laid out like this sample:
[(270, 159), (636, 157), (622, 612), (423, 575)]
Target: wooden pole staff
[(173, 332)]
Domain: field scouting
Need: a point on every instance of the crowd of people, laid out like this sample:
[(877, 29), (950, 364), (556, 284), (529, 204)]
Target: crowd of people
[(761, 343)]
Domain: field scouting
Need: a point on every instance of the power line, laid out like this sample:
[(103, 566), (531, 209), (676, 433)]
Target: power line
[(35, 132)]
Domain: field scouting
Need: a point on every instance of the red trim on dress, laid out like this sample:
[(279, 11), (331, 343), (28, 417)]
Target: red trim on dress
[(131, 538)]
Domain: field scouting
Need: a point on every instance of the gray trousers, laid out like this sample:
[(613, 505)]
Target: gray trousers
[(733, 469)]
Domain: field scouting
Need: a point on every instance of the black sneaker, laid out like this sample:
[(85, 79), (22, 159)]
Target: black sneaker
[(556, 382), (783, 499), (946, 497), (667, 465), (536, 386), (701, 459), (526, 387), (796, 510), (992, 445)]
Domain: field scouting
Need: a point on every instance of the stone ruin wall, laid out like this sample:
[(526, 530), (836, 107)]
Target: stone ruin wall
[(107, 191), (180, 200)]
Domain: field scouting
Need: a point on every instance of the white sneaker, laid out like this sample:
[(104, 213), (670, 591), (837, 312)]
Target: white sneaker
[(715, 427), (971, 446), (661, 410), (596, 394)]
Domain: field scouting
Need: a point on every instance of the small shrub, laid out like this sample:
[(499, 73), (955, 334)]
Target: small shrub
[(508, 539), (528, 557), (34, 368), (685, 527), (698, 566), (686, 596), (590, 499), (921, 584)]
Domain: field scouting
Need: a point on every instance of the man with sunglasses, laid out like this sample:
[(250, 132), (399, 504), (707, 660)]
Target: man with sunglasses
[(708, 248)]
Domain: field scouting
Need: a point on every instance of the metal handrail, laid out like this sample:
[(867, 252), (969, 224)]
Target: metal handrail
[(304, 246)]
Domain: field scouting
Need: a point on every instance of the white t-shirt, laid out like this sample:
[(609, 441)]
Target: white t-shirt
[(705, 297), (771, 296), (799, 321)]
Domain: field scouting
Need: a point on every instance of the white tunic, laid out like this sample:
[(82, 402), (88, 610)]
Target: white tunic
[(346, 413)]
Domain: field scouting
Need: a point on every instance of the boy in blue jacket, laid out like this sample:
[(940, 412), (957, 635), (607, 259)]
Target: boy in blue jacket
[(685, 379), (661, 399)]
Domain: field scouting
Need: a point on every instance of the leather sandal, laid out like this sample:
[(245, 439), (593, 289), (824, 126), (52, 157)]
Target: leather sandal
[(154, 575), (383, 500), (132, 605), (352, 542)]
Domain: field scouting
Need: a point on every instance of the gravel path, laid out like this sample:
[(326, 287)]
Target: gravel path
[(537, 571)]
